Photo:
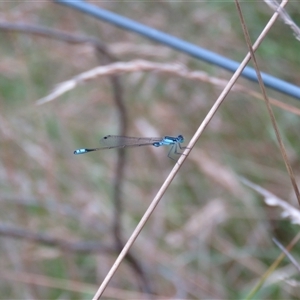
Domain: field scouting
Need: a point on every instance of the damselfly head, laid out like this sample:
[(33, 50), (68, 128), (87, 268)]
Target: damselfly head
[(180, 139)]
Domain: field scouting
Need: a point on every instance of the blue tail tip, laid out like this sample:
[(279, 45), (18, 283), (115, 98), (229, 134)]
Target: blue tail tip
[(80, 151)]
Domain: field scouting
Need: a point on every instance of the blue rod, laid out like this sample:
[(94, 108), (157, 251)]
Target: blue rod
[(181, 45)]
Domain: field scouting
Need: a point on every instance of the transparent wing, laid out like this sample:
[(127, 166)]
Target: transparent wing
[(117, 141)]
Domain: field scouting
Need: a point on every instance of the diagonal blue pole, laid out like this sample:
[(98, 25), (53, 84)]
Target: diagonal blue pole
[(181, 45)]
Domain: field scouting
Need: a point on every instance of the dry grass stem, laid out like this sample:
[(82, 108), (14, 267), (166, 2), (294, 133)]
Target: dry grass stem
[(144, 66), (268, 105), (270, 199), (182, 158), (288, 254), (285, 17)]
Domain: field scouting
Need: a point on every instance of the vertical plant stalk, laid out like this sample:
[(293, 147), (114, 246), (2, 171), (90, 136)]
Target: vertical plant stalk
[(182, 158), (267, 101), (282, 149), (287, 254), (119, 176), (102, 50), (271, 269)]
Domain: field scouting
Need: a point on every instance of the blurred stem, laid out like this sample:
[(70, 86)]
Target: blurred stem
[(102, 50), (267, 101), (118, 93), (272, 268)]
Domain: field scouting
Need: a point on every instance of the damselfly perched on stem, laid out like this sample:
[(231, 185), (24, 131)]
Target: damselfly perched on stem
[(117, 141)]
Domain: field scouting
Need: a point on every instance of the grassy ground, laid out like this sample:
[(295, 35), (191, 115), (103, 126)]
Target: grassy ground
[(211, 236)]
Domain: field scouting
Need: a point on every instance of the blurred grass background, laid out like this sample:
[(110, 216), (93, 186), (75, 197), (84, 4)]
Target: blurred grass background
[(210, 237)]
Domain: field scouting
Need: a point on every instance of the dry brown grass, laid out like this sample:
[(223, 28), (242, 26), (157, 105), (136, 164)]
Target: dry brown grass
[(210, 237)]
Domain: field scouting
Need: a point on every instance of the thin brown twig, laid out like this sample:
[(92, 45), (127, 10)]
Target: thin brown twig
[(57, 35), (45, 239), (117, 89), (269, 108), (119, 176)]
